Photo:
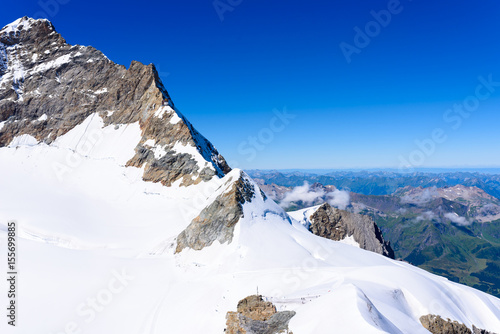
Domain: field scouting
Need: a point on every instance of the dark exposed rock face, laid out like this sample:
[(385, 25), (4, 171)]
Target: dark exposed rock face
[(40, 74), (335, 224), (256, 316), (437, 325), (476, 330), (217, 220)]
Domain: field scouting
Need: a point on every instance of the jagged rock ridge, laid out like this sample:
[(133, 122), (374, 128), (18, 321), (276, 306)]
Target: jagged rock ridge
[(437, 325), (336, 224), (47, 87), (217, 220)]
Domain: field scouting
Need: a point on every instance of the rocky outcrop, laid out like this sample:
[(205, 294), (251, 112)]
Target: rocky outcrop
[(335, 224), (47, 87), (437, 325), (217, 220), (256, 316), (476, 330)]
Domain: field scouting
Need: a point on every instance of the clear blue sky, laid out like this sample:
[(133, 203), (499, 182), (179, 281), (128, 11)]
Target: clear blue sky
[(227, 76)]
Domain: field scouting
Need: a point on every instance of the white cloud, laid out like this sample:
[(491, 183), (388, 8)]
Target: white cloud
[(402, 211), (457, 219), (304, 193), (339, 199), (428, 215), (427, 195)]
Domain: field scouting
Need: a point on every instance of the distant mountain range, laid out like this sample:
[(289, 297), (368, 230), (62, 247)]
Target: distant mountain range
[(382, 182), (446, 223)]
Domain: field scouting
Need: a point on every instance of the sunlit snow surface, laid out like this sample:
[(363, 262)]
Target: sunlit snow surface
[(84, 218)]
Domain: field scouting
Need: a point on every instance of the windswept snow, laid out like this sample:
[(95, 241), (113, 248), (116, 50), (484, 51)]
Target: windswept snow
[(23, 140), (3, 58), (42, 118), (303, 216), (159, 151), (23, 23), (191, 150), (175, 119), (349, 240), (91, 139), (162, 110), (44, 67), (101, 91), (14, 72)]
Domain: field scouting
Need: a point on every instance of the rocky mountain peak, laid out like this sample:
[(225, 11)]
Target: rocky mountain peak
[(48, 87), (336, 224), (26, 29)]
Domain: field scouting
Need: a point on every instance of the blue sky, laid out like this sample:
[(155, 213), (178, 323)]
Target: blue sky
[(230, 69)]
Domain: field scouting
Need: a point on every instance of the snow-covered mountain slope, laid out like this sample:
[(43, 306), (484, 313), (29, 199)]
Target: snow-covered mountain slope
[(98, 246), (49, 87), (103, 219)]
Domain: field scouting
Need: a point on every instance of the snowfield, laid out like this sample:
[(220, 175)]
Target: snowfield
[(96, 254)]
